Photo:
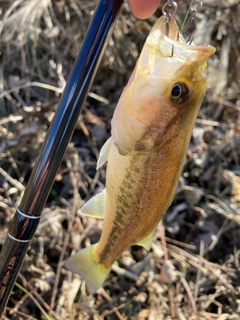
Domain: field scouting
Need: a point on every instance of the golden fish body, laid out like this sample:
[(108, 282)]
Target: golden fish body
[(151, 129)]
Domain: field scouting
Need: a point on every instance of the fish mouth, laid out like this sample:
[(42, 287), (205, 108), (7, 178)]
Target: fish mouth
[(169, 28), (166, 38)]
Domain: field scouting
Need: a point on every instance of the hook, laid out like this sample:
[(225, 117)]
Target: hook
[(194, 8), (172, 9)]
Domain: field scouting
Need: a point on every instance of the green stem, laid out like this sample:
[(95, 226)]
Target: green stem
[(185, 20), (34, 300)]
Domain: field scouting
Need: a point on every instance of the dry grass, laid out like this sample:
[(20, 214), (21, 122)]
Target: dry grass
[(192, 271)]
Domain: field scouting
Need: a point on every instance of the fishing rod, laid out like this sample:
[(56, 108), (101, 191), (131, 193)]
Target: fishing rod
[(26, 218)]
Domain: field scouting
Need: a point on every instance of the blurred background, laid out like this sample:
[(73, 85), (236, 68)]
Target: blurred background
[(192, 270)]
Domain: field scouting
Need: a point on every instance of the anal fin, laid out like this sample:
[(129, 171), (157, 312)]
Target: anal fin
[(95, 206), (147, 241)]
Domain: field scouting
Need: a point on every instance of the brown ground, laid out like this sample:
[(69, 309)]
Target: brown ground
[(192, 270)]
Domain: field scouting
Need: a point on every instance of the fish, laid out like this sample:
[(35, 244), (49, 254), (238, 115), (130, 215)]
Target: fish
[(150, 133)]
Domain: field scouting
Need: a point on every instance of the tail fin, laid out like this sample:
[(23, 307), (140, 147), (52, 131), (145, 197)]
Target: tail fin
[(85, 263)]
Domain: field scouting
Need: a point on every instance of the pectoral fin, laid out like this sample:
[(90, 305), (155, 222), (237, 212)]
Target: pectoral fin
[(147, 241), (104, 153), (95, 206)]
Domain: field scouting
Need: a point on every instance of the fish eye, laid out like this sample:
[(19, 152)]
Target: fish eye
[(179, 93)]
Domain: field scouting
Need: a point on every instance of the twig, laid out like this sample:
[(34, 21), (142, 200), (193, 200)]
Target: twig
[(194, 260), (14, 182), (67, 236), (191, 298), (10, 118), (27, 316), (32, 84), (166, 258), (125, 273), (19, 303), (163, 239), (114, 309), (34, 300), (201, 253), (38, 297), (181, 244)]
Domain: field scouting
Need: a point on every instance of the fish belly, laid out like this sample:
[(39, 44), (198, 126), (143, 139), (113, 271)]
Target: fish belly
[(140, 188)]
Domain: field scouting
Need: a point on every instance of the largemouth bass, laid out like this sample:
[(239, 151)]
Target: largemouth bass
[(151, 129)]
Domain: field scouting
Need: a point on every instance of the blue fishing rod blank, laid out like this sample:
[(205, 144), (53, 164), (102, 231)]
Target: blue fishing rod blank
[(26, 218)]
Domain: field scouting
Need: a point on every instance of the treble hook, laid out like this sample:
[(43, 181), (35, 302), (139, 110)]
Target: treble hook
[(194, 8), (172, 9)]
